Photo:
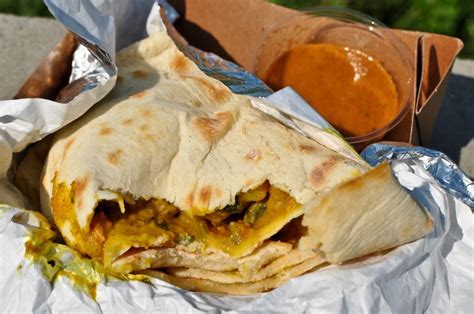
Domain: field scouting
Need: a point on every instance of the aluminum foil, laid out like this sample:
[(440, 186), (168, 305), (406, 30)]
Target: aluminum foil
[(428, 275), (443, 169), (233, 76), (94, 67)]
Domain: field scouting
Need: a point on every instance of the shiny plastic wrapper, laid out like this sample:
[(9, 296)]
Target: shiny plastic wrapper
[(433, 274)]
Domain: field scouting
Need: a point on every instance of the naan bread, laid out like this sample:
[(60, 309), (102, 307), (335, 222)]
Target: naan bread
[(215, 261), (249, 274), (167, 131), (368, 214), (266, 284)]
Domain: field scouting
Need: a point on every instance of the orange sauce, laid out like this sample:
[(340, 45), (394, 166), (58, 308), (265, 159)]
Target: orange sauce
[(350, 89)]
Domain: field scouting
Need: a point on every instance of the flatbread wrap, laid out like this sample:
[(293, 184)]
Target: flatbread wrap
[(175, 176)]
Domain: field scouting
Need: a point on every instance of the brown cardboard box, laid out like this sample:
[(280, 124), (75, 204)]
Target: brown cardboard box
[(233, 29)]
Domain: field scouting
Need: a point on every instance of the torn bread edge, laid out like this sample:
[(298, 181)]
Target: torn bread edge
[(368, 214)]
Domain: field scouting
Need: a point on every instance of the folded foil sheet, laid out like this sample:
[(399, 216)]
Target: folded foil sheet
[(443, 169), (237, 79), (38, 274)]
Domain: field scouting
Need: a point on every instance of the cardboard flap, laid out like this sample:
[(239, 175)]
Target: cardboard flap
[(53, 72), (439, 53)]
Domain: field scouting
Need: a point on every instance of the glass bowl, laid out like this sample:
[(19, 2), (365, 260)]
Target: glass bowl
[(347, 28)]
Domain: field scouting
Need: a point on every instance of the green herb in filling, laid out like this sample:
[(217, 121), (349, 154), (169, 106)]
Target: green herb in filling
[(254, 212), (234, 208), (164, 225)]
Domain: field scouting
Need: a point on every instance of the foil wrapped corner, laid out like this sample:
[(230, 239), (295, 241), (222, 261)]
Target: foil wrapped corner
[(443, 169)]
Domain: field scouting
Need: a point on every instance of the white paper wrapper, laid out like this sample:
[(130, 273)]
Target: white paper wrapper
[(434, 274)]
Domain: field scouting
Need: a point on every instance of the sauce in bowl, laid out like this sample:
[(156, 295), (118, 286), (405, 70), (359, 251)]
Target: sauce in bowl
[(349, 88)]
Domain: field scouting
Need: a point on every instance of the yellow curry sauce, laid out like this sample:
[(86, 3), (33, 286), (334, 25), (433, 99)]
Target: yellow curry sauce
[(56, 260), (352, 90), (236, 229)]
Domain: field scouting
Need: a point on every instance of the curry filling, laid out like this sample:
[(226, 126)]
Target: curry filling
[(236, 229)]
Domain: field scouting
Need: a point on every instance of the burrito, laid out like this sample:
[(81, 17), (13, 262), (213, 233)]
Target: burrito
[(174, 176)]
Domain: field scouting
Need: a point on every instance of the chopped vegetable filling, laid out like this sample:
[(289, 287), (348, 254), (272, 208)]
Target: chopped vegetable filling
[(236, 229)]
